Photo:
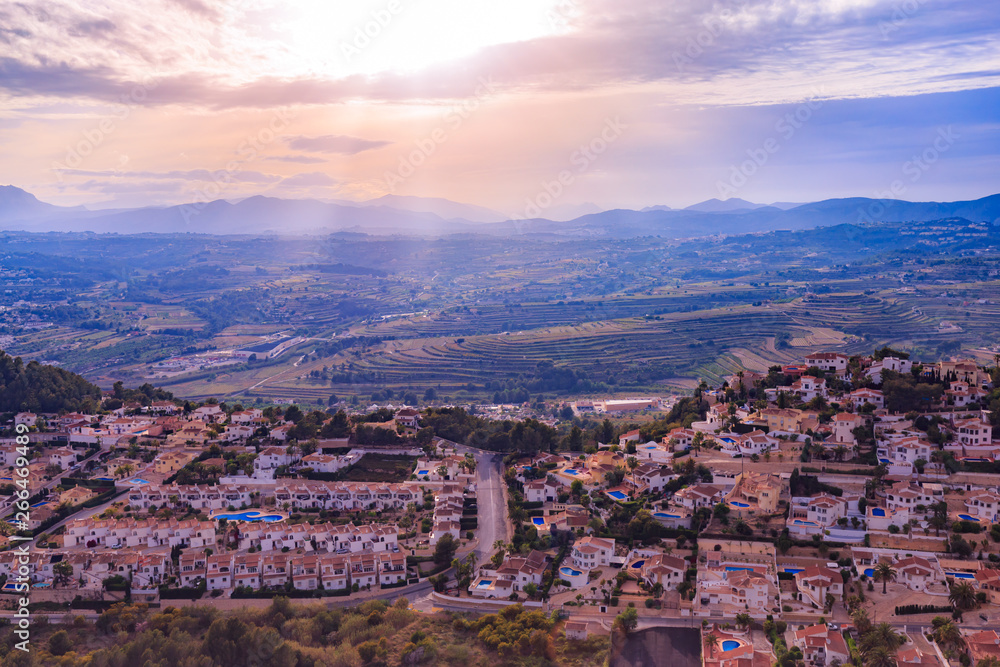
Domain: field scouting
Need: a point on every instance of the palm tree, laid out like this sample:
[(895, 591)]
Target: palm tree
[(884, 572), (962, 596), (744, 620), (988, 661), (711, 641), (862, 623), (946, 633), (880, 656), (881, 636)]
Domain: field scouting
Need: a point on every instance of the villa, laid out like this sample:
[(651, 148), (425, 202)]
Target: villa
[(815, 583), (667, 571), (821, 646), (698, 496), (756, 490), (592, 552)]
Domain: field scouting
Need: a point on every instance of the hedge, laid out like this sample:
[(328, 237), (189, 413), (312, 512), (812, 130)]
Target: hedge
[(908, 609)]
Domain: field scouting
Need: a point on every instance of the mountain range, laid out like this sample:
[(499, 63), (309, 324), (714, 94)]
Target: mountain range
[(425, 216)]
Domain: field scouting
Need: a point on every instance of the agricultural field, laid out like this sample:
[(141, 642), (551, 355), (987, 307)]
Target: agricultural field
[(543, 316)]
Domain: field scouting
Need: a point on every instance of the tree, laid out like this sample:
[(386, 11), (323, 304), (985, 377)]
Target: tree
[(444, 550), (628, 620), (744, 620), (880, 656), (962, 596), (63, 571), (712, 642), (945, 632), (862, 623), (60, 643), (884, 572)]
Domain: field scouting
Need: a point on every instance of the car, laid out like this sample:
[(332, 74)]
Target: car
[(116, 545), (984, 617)]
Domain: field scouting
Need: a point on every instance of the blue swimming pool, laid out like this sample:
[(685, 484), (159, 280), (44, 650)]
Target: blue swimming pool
[(727, 440), (137, 481), (485, 583), (248, 516), (966, 517), (569, 572), (423, 472), (803, 522), (792, 570), (618, 495), (961, 575), (730, 644), (44, 502), (878, 511), (638, 564), (538, 521), (571, 471), (732, 568), (884, 460), (869, 572), (106, 479), (664, 515), (650, 446), (736, 503)]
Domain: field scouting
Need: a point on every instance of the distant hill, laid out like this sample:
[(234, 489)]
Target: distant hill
[(443, 208), (419, 216), (724, 206), (16, 204)]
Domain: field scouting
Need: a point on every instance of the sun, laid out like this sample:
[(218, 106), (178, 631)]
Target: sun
[(341, 38)]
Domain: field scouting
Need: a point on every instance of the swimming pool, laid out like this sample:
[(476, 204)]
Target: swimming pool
[(664, 515), (733, 568), (638, 564), (44, 502), (248, 516), (878, 511), (884, 460), (106, 479), (961, 575), (966, 517), (617, 495), (422, 472), (727, 440), (730, 644), (538, 521), (485, 583), (571, 471), (569, 572), (869, 572), (802, 522), (736, 503), (792, 570), (137, 481)]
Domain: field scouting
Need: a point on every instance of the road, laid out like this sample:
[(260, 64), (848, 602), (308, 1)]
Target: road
[(491, 500)]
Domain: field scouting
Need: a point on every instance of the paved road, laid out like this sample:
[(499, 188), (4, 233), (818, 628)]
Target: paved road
[(492, 504)]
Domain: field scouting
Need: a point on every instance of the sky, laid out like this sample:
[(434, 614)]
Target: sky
[(521, 106)]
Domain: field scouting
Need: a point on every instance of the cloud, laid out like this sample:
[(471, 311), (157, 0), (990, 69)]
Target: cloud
[(725, 52), (309, 179), (297, 159), (203, 175), (333, 143)]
